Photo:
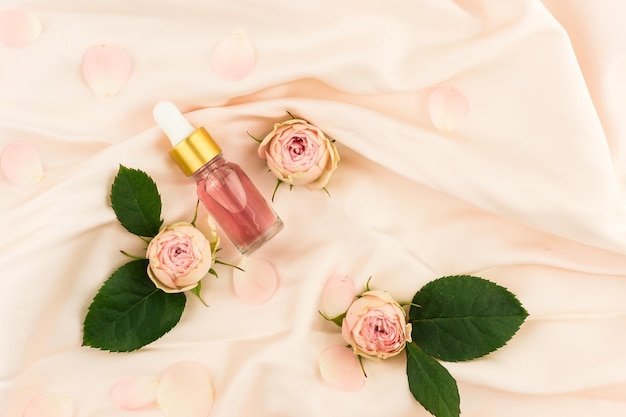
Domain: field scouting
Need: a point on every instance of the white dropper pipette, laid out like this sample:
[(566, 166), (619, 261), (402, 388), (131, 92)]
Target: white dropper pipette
[(172, 122)]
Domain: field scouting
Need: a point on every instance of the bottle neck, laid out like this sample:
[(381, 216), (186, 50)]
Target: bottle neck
[(206, 169), (193, 152)]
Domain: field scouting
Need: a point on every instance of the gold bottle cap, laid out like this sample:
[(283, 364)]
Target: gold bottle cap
[(195, 151)]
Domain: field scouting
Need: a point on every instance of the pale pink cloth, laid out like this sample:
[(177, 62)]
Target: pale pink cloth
[(527, 191)]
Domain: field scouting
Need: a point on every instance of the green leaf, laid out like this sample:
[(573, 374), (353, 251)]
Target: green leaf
[(129, 312), (463, 317), (431, 384), (136, 202)]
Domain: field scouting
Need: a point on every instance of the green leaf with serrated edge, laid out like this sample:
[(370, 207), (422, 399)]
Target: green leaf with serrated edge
[(128, 312), (431, 384), (136, 202), (463, 317)]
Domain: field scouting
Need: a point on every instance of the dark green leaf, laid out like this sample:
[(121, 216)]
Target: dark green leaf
[(431, 384), (129, 312), (136, 202), (463, 317)]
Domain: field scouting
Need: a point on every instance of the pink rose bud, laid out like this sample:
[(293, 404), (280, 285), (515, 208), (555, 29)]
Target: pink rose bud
[(375, 326), (299, 153), (179, 257)]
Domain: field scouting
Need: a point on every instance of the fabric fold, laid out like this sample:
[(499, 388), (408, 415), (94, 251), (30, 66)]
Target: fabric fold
[(528, 191)]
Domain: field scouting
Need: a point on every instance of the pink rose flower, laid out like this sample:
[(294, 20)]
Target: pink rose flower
[(375, 326), (298, 153), (179, 257)]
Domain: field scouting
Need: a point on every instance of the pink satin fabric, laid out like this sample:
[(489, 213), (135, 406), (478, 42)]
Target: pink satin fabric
[(528, 191)]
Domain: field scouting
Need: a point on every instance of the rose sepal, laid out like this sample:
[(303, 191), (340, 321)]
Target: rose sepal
[(337, 320), (197, 291)]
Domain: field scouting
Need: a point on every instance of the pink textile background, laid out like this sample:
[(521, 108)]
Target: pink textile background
[(528, 191)]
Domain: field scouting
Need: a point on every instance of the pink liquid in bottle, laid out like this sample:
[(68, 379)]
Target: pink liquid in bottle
[(236, 204)]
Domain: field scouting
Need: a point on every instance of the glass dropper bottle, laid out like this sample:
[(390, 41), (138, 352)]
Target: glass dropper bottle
[(222, 186)]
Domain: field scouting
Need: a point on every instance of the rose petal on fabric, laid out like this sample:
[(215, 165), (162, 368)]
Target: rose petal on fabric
[(106, 69), (337, 295), (132, 393), (234, 57), (21, 163), (18, 28), (257, 282), (340, 367), (185, 390), (447, 107), (49, 405)]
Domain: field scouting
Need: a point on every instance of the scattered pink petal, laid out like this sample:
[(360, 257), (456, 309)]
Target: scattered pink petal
[(447, 107), (18, 28), (185, 390), (132, 393), (49, 405), (234, 57), (339, 292), (21, 163), (256, 283), (106, 69), (340, 367)]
